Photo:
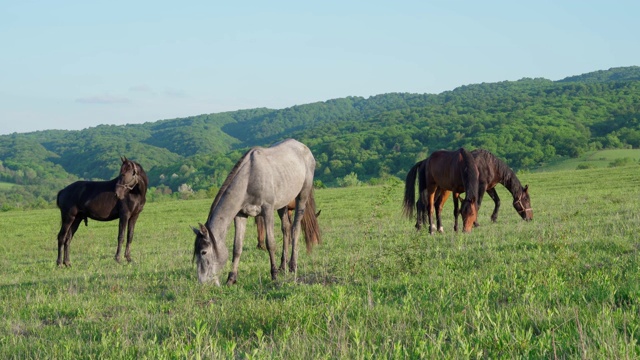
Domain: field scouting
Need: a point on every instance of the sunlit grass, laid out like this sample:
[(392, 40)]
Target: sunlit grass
[(565, 285), (593, 159)]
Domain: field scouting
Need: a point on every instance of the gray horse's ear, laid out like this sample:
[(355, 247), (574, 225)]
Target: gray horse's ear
[(204, 231), (195, 231)]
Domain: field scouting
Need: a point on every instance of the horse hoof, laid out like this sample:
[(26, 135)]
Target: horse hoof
[(231, 279)]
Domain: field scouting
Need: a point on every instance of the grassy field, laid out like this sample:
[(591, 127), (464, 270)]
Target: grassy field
[(565, 285), (6, 186), (594, 159)]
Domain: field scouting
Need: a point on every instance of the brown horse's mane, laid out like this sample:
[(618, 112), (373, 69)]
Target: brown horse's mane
[(507, 176), (471, 177)]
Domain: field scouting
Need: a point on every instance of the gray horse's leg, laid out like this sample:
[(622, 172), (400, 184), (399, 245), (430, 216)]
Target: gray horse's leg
[(240, 225), (285, 220)]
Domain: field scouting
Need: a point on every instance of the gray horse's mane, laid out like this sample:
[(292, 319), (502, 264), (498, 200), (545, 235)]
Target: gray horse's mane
[(230, 177)]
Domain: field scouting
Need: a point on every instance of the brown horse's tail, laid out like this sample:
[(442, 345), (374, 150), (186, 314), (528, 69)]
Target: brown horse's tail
[(410, 190), (310, 224)]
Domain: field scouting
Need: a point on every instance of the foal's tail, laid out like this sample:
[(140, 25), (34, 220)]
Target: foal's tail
[(310, 224), (409, 190)]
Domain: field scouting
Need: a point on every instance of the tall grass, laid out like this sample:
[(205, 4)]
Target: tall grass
[(563, 286)]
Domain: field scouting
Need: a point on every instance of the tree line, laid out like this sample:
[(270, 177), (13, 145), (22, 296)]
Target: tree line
[(527, 123)]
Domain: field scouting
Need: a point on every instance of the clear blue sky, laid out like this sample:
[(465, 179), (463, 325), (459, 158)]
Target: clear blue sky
[(78, 64)]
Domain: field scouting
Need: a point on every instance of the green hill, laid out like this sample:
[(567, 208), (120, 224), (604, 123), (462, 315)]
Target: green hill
[(531, 123)]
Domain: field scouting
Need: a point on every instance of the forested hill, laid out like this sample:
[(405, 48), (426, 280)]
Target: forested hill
[(526, 122)]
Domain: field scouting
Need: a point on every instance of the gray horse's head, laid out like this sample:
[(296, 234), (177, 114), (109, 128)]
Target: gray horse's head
[(210, 257)]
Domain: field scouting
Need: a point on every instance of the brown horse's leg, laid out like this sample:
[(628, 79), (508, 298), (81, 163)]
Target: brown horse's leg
[(285, 220), (443, 195), (456, 210), (130, 229), (482, 188), (493, 194), (240, 225)]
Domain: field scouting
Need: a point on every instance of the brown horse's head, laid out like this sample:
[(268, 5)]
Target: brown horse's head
[(522, 204), (469, 212), (209, 258), (128, 178)]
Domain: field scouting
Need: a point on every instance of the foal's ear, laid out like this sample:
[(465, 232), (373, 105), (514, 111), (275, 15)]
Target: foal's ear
[(123, 159), (526, 189)]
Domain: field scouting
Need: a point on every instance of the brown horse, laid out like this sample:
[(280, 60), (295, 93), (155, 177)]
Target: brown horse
[(121, 198), (493, 171), (307, 226), (445, 170)]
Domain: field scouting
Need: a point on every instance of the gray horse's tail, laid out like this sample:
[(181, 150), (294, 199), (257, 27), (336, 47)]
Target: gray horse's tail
[(310, 225)]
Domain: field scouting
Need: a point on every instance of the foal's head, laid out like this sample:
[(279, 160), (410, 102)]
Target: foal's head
[(469, 212), (128, 178), (209, 258), (522, 204)]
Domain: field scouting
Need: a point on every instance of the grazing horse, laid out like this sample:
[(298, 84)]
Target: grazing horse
[(121, 198), (262, 181), (493, 171), (307, 225), (444, 170)]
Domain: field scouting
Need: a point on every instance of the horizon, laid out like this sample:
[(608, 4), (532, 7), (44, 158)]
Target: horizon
[(76, 65)]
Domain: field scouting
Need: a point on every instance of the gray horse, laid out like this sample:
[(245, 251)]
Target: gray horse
[(262, 181)]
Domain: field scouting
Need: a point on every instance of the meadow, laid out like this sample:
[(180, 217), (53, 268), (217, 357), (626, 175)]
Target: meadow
[(562, 286), (594, 159)]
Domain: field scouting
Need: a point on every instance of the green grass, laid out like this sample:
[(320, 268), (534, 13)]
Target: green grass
[(563, 286), (6, 186), (594, 159)]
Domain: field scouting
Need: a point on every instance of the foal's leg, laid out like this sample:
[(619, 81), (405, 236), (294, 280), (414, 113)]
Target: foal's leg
[(62, 237), (493, 194), (130, 229), (240, 222), (70, 226), (285, 220), (122, 224)]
